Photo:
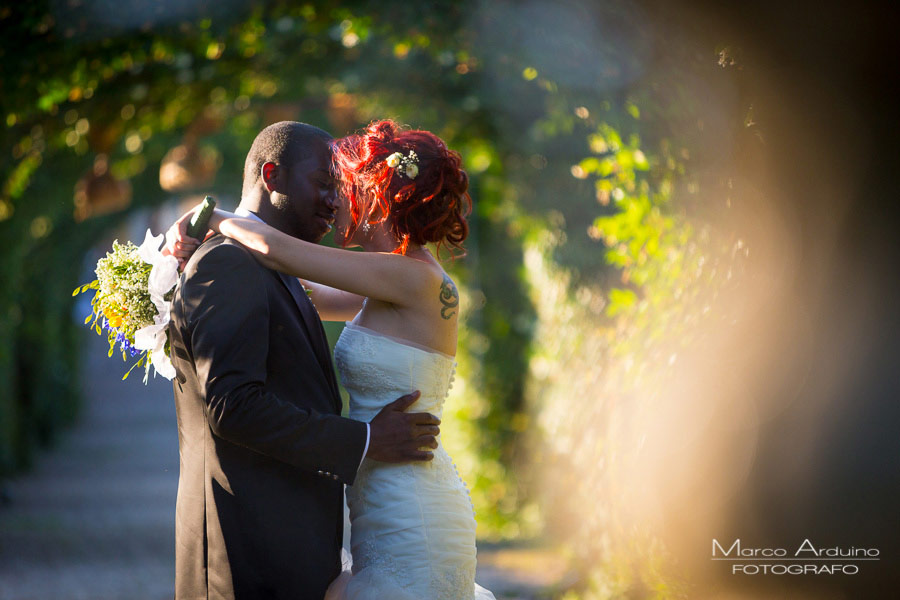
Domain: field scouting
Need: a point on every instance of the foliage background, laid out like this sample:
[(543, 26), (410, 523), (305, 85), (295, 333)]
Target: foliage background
[(639, 215)]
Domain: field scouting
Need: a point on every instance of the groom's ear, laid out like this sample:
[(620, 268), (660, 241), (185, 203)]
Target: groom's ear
[(269, 175)]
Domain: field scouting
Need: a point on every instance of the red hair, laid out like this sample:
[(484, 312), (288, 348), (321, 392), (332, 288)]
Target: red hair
[(432, 207)]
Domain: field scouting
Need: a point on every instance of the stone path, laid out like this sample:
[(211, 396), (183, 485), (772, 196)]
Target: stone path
[(94, 519)]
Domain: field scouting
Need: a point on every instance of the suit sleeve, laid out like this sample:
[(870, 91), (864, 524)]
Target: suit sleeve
[(228, 322)]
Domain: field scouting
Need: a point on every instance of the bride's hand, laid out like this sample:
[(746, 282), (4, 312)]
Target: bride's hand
[(178, 243)]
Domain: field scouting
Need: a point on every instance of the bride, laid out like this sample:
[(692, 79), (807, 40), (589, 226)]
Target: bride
[(412, 525)]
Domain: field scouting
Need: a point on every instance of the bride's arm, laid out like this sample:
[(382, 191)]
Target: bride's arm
[(333, 304), (389, 277)]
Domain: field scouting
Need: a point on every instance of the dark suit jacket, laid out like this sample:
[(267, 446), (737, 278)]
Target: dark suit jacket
[(264, 452)]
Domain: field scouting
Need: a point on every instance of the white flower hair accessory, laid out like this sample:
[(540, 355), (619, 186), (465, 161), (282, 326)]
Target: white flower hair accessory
[(410, 163)]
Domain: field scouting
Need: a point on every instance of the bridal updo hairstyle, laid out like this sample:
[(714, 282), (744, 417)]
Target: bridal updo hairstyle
[(428, 208)]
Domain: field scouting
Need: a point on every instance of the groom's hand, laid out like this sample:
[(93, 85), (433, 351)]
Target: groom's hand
[(397, 436)]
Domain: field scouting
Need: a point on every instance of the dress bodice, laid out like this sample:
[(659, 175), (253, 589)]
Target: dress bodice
[(376, 369)]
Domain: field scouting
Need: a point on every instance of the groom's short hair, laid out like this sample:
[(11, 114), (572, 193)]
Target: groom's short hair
[(284, 143)]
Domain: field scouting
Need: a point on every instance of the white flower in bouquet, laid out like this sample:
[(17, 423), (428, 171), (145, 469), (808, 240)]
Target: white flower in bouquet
[(163, 277)]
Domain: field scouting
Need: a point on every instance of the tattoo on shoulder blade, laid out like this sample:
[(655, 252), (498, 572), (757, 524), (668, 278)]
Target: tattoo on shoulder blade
[(449, 298)]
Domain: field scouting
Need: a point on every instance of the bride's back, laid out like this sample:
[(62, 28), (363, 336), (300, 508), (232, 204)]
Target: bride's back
[(428, 320)]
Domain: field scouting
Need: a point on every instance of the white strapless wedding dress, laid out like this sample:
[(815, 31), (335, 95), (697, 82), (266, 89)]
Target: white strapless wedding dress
[(412, 525)]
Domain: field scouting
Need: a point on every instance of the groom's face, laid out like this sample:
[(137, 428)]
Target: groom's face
[(309, 193)]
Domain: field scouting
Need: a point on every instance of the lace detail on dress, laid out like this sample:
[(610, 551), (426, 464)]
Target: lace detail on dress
[(371, 557), (446, 584), (366, 380)]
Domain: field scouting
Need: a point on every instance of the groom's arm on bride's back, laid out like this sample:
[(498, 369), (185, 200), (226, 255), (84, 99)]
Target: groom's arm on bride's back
[(226, 314)]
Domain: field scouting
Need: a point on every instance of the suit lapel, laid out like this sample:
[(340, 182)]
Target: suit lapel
[(303, 304), (314, 331)]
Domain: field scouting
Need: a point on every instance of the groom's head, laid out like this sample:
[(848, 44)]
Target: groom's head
[(288, 180)]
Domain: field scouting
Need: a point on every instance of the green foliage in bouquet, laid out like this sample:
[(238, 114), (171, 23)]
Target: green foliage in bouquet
[(121, 303), (131, 303)]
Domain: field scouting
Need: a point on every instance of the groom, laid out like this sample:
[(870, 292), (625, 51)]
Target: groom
[(264, 451)]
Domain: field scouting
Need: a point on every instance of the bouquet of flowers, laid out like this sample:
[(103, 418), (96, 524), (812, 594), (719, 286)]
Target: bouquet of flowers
[(131, 303)]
